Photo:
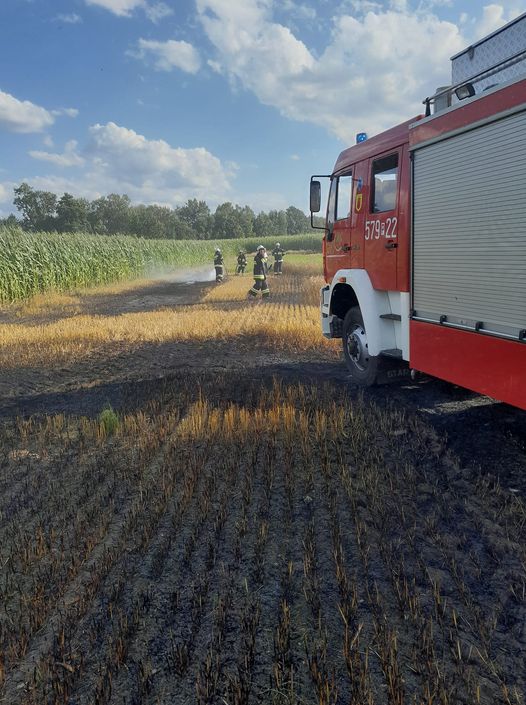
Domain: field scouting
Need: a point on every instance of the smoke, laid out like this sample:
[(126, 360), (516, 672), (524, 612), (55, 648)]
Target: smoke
[(184, 275)]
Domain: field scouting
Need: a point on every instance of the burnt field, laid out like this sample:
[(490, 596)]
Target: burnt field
[(264, 534)]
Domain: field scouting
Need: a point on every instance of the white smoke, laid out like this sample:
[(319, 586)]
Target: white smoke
[(186, 275)]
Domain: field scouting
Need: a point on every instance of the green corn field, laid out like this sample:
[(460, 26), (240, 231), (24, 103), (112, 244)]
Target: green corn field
[(32, 263)]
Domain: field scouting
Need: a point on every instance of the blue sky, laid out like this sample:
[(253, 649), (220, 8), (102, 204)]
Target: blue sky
[(237, 100)]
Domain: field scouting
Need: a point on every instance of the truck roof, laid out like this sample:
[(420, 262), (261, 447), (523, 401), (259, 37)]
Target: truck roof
[(378, 144)]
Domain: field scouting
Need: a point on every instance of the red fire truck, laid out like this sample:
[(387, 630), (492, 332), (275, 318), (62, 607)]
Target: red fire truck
[(424, 248)]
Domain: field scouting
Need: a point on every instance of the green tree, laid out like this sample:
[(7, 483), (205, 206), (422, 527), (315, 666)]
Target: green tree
[(10, 222), (72, 214), (151, 221), (262, 225), (247, 217), (278, 222), (37, 207), (227, 223), (110, 214), (179, 229), (196, 214), (297, 221)]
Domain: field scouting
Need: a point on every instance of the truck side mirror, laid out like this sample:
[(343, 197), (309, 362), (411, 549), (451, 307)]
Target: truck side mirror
[(315, 196)]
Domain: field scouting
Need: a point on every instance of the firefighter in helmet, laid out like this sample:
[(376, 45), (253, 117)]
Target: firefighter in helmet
[(278, 253), (260, 274), (241, 262), (219, 265)]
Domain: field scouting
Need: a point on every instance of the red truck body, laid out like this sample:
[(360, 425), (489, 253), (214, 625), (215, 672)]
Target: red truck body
[(425, 246)]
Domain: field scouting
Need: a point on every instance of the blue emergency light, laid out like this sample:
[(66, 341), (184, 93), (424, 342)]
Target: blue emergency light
[(361, 137)]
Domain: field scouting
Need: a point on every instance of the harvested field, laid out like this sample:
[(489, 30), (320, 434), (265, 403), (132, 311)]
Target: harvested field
[(250, 533)]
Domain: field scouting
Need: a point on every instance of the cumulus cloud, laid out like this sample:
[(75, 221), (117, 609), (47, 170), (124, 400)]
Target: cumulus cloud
[(124, 152), (22, 115), (380, 61), (25, 117), (68, 158), (119, 160), (169, 55), (155, 11), (493, 17)]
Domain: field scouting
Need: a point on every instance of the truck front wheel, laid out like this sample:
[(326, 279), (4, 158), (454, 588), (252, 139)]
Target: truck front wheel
[(362, 366)]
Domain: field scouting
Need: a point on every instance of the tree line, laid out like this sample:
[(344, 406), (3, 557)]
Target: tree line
[(45, 211)]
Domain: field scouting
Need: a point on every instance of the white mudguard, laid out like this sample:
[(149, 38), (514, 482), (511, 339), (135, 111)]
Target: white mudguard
[(382, 334)]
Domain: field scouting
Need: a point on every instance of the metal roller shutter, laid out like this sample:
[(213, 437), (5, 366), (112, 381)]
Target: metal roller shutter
[(469, 228)]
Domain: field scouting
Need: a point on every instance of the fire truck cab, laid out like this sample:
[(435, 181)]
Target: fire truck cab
[(424, 247)]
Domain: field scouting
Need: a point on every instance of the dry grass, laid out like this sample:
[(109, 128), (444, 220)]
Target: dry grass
[(53, 302), (288, 321)]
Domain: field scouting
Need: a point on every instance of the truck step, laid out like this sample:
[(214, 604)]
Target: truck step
[(391, 316), (393, 352)]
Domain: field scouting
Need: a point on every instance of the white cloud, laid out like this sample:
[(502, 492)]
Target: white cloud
[(121, 8), (155, 11), (375, 70), (69, 112), (493, 17), (363, 6), (489, 18), (299, 10), (71, 18), (119, 160), (125, 153), (22, 115), (158, 11), (169, 55), (295, 157), (67, 159)]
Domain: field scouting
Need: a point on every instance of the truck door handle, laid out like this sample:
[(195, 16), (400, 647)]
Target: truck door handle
[(346, 248), (391, 246)]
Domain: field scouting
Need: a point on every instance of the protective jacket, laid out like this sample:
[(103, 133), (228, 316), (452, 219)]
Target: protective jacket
[(218, 259), (260, 266), (260, 276)]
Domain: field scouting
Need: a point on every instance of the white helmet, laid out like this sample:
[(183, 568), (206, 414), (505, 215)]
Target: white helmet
[(260, 247), (277, 244), (217, 249)]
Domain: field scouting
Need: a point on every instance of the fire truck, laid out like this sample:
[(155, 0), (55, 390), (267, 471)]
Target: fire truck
[(424, 250)]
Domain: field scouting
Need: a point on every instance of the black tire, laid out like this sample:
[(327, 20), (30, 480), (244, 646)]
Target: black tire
[(363, 367)]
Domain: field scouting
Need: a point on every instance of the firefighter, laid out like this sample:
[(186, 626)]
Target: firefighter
[(260, 274), (241, 262), (278, 253), (219, 265)]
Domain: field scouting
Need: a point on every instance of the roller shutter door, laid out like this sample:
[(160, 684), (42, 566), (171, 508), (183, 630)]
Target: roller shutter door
[(469, 228)]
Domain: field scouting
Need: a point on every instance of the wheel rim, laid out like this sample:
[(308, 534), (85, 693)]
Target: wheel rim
[(357, 347)]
